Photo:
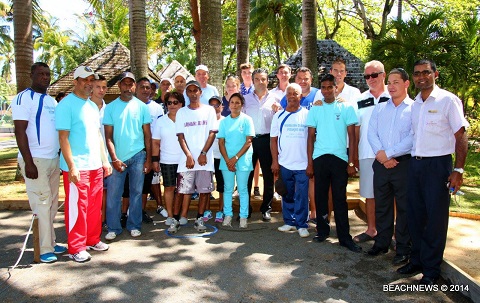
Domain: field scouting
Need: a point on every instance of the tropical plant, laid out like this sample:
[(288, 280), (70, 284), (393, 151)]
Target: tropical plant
[(242, 43), (22, 27), (309, 38)]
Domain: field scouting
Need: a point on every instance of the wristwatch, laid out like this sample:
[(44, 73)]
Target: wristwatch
[(203, 153), (458, 170), (351, 164)]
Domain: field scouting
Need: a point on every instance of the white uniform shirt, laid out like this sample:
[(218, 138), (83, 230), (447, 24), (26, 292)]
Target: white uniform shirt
[(39, 110), (165, 131), (435, 122), (156, 110)]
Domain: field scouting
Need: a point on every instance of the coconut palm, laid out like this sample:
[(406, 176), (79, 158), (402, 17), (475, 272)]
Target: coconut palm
[(243, 18), (309, 38), (138, 38), (211, 39)]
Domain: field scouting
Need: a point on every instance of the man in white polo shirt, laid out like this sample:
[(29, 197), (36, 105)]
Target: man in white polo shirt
[(33, 114)]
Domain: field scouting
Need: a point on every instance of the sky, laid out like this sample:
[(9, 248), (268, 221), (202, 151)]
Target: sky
[(64, 11)]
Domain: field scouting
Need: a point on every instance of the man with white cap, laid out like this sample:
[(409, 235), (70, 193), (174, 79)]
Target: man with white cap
[(208, 91), (127, 132), (83, 161)]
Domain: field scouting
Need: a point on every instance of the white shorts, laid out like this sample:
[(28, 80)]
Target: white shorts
[(366, 178), (197, 180)]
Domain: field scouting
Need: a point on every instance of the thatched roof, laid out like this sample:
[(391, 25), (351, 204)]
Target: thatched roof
[(111, 63), (173, 69)]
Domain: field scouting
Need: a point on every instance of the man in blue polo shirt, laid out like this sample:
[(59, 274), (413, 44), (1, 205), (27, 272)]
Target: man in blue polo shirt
[(303, 78)]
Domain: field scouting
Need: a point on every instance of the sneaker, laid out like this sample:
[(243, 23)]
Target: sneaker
[(110, 236), (303, 232), (135, 233), (162, 211), (200, 225), (219, 217), (243, 223), (195, 196), (169, 221), (80, 257), (207, 215), (256, 191), (286, 228), (100, 246), (227, 221), (174, 227), (123, 220), (146, 218), (183, 221), (266, 215), (48, 258), (277, 197), (59, 249)]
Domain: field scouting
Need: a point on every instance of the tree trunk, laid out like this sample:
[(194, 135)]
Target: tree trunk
[(138, 38), (22, 27), (243, 19), (309, 38), (196, 30), (211, 41)]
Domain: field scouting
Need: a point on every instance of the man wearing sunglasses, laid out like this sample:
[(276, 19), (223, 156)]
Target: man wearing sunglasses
[(375, 77), (439, 129)]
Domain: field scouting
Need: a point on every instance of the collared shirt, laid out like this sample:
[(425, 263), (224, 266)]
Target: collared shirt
[(277, 92), (365, 106), (435, 122), (349, 93), (260, 111), (306, 101), (389, 128), (244, 91)]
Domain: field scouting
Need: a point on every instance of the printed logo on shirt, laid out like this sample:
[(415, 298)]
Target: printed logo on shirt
[(196, 123)]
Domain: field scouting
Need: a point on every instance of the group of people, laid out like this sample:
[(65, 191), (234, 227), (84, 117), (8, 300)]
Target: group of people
[(307, 142)]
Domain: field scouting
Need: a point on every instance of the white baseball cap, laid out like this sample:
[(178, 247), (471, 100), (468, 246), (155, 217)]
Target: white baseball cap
[(83, 72), (201, 67)]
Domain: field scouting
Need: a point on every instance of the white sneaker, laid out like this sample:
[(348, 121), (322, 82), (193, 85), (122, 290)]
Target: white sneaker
[(100, 246), (162, 211), (277, 197), (243, 223), (227, 221), (183, 221), (286, 228), (110, 236), (199, 225), (174, 227), (81, 256), (303, 232), (169, 221), (135, 233)]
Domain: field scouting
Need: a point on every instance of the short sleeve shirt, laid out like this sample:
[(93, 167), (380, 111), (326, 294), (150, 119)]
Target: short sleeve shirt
[(170, 150)]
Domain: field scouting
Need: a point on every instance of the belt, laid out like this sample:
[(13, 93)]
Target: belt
[(261, 136), (403, 158)]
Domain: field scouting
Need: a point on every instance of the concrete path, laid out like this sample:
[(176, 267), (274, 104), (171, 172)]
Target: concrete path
[(259, 264)]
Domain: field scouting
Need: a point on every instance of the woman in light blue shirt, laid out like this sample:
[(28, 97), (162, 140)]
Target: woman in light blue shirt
[(235, 135)]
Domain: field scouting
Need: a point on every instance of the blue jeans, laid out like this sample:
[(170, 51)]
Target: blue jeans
[(295, 202), (114, 194), (242, 187)]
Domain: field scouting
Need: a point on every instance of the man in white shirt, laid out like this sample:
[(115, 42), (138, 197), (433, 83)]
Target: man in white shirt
[(375, 76), (33, 114), (439, 130), (202, 75)]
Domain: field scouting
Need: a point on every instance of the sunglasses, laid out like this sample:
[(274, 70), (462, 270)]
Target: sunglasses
[(173, 102), (423, 73), (373, 75), (216, 105)]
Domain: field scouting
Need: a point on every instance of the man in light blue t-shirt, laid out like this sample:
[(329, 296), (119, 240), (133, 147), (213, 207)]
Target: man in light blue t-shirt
[(328, 123), (129, 139)]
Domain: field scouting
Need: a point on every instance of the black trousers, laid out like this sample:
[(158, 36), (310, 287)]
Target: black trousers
[(427, 211), (390, 185), (261, 152), (331, 170)]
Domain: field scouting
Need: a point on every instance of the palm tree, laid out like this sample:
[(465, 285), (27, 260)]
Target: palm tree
[(22, 26), (138, 38), (309, 38), (243, 14), (211, 39), (279, 19)]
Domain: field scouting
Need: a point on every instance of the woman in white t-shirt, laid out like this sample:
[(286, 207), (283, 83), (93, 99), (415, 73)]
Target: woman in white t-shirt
[(235, 135), (166, 150)]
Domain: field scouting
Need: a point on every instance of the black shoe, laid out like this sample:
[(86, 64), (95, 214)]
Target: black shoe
[(146, 218), (123, 220), (409, 269), (319, 238), (266, 216), (351, 246), (400, 259), (428, 281), (375, 251)]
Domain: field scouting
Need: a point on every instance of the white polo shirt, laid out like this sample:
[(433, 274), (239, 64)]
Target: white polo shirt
[(435, 122), (39, 110)]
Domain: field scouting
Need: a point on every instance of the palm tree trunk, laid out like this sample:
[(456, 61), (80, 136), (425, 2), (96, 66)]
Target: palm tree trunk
[(211, 28), (309, 38), (197, 31), (243, 17), (138, 38), (22, 27)]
